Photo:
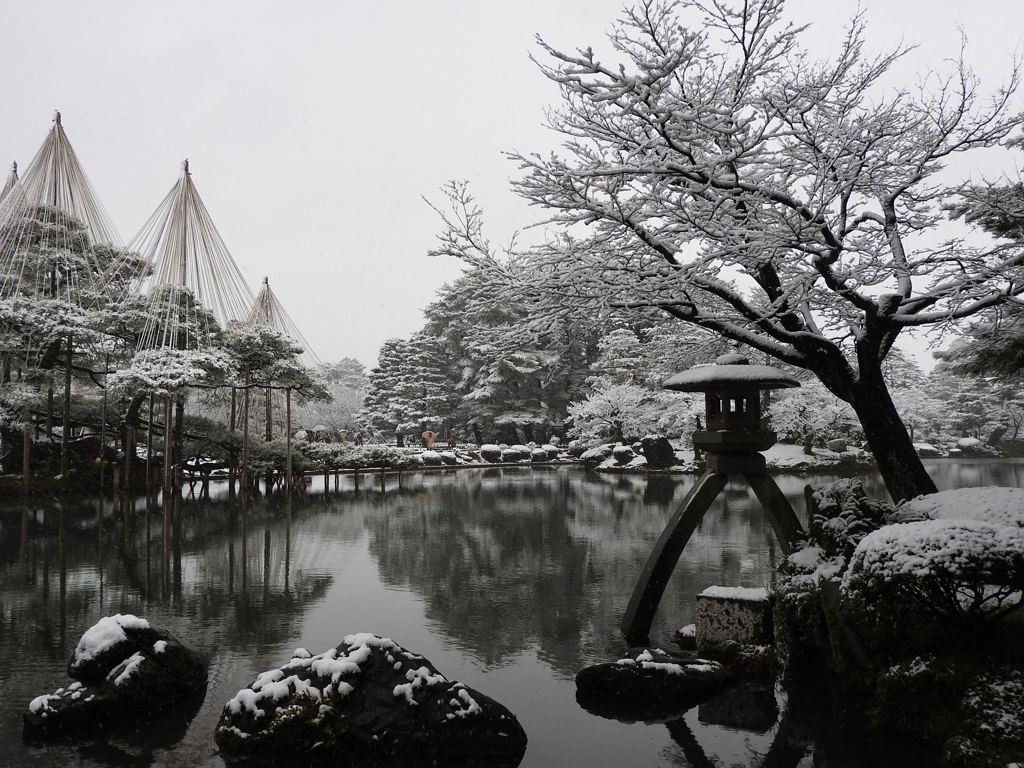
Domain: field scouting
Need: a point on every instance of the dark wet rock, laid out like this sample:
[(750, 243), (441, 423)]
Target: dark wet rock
[(367, 699), (836, 446), (123, 668), (649, 684), (659, 452)]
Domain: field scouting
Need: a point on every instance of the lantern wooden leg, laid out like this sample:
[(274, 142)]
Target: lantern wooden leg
[(783, 519), (636, 624)]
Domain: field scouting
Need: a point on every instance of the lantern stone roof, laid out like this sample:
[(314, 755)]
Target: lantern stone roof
[(730, 372)]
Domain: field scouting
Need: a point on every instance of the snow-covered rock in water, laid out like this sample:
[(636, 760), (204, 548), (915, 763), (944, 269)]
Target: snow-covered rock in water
[(992, 504), (449, 457), (926, 450), (516, 453), (623, 454), (836, 446), (369, 697), (576, 448), (552, 451), (490, 453), (598, 454), (659, 451), (539, 455), (648, 684), (968, 442), (124, 669), (430, 458)]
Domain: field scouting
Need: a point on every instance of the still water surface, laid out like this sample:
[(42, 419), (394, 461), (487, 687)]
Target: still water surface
[(509, 580)]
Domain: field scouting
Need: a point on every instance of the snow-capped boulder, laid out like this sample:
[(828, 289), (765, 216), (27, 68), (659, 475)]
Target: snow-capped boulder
[(965, 443), (659, 451), (926, 450), (623, 454), (490, 453), (123, 669), (449, 457), (369, 697), (838, 445), (552, 451), (648, 684), (576, 448), (538, 455)]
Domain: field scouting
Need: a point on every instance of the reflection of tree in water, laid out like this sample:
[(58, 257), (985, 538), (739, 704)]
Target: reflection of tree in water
[(64, 567), (496, 563), (515, 561)]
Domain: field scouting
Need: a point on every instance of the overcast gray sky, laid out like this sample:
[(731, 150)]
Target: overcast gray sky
[(314, 128)]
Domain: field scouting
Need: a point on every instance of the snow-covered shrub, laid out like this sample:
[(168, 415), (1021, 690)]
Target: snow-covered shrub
[(430, 458), (347, 456), (491, 453), (990, 504), (597, 454), (324, 455), (959, 572), (367, 456), (516, 453)]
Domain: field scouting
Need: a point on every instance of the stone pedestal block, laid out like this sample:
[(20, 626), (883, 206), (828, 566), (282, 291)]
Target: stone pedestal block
[(733, 615)]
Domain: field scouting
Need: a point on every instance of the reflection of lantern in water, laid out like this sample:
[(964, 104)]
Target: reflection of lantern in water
[(732, 440)]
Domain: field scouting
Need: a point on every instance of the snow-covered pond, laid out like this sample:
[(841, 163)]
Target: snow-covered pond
[(509, 580)]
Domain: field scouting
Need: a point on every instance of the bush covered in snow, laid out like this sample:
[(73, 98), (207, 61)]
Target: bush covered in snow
[(1001, 506), (347, 456), (959, 572), (516, 453), (491, 453)]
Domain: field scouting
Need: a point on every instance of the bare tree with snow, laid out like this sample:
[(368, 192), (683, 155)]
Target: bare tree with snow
[(713, 169)]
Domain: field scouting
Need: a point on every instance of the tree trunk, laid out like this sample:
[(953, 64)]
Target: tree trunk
[(902, 469), (65, 449)]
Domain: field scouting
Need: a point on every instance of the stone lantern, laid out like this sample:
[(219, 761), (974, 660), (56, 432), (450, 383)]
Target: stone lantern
[(732, 410), (732, 440)]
